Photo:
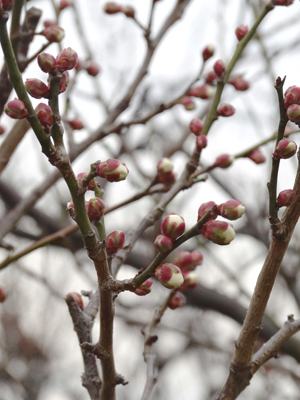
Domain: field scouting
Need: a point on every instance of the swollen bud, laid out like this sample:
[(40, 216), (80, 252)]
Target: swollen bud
[(92, 69), (187, 261), (164, 166), (196, 126), (177, 301), (219, 232), (285, 198), (54, 33), (169, 275), (95, 209), (173, 226), (231, 210), (226, 110), (202, 92), (285, 149), (211, 77), (219, 68), (15, 109), (190, 280), (112, 8), (76, 296), (36, 88), (47, 62), (67, 59), (76, 124), (187, 102), (257, 156), (239, 83), (163, 243), (204, 208), (115, 241), (201, 142), (128, 11), (291, 96), (224, 161), (44, 114), (208, 52), (293, 113), (112, 170), (241, 31), (144, 288)]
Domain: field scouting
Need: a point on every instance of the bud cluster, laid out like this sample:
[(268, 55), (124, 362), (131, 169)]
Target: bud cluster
[(165, 172)]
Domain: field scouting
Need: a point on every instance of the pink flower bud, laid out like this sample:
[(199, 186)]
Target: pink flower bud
[(81, 176), (164, 166), (64, 82), (211, 77), (3, 295), (6, 4), (112, 170), (224, 161), (64, 4), (188, 103), (293, 113), (208, 52), (291, 96), (203, 92), (202, 210), (226, 110), (47, 62), (187, 261), (169, 275), (173, 226), (2, 129), (54, 33), (285, 198), (239, 83), (67, 59), (166, 179), (115, 241), (76, 296), (177, 301), (92, 69), (282, 2), (48, 23), (36, 88), (144, 288), (15, 109), (219, 232), (257, 156), (231, 210), (219, 68), (197, 257), (241, 31), (128, 11), (163, 243), (196, 126), (285, 149), (112, 8), (76, 124), (190, 280), (44, 114), (95, 209), (201, 142)]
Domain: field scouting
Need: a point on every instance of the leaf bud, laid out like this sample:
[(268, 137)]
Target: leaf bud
[(169, 275), (177, 301), (115, 241), (202, 92), (54, 33), (241, 31), (67, 59), (36, 88), (257, 156), (47, 62), (44, 114), (112, 170), (144, 288), (196, 126), (163, 243), (219, 232), (232, 209), (95, 209), (76, 296), (15, 109), (285, 149), (173, 226), (285, 198), (208, 52)]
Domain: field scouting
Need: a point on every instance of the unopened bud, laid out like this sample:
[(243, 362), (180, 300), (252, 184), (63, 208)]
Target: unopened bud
[(112, 170), (257, 156), (187, 102), (293, 113), (190, 280), (164, 166), (285, 149), (81, 176), (211, 77), (166, 179), (219, 232), (76, 124), (282, 2), (15, 109), (173, 226), (128, 11), (48, 23), (226, 110), (239, 83), (6, 4), (291, 96), (54, 33), (112, 8), (3, 295), (196, 126), (44, 114), (202, 92), (95, 209), (219, 68), (64, 82), (144, 288), (76, 296), (208, 52), (224, 161), (201, 142), (163, 243), (187, 261), (64, 4), (36, 88), (92, 69), (231, 210), (115, 241), (204, 208), (241, 31), (177, 301), (67, 59), (169, 275), (47, 62), (285, 198)]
